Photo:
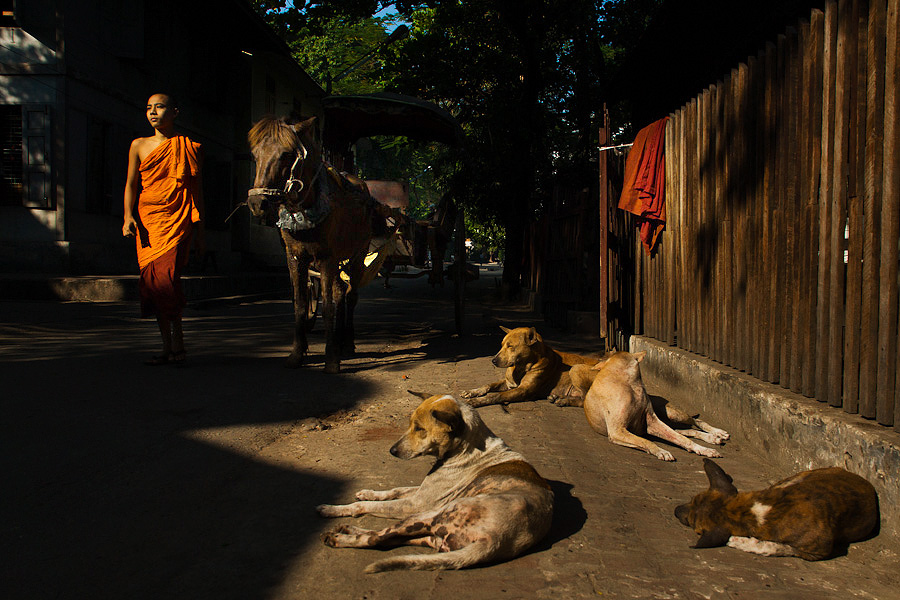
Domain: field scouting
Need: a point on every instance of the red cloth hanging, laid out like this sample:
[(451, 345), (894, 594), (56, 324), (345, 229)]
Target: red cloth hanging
[(644, 189)]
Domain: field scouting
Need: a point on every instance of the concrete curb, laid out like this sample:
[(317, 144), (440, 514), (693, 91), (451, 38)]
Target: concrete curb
[(793, 432), (124, 288)]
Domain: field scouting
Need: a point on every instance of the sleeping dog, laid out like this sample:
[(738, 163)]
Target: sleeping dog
[(806, 515), (481, 502)]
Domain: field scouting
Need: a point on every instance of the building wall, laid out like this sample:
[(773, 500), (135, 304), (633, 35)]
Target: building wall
[(91, 70)]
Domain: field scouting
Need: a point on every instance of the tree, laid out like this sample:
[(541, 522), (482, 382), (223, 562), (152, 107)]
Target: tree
[(524, 77)]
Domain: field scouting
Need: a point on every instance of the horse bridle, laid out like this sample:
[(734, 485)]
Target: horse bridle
[(294, 184)]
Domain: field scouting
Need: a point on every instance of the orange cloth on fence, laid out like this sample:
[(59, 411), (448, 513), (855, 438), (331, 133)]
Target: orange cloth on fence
[(167, 204), (644, 188)]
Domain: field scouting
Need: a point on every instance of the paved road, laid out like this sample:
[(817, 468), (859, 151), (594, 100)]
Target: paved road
[(126, 481)]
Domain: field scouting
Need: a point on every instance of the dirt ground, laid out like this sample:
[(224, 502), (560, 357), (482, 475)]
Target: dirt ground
[(126, 481)]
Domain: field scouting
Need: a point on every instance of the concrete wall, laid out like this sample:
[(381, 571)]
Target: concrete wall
[(794, 432)]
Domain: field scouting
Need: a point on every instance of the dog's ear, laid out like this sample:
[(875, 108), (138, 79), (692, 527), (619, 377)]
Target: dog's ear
[(447, 412), (719, 480), (422, 395), (505, 329), (713, 539), (533, 337), (639, 356)]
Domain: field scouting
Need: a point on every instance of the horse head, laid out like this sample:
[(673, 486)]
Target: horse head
[(287, 160)]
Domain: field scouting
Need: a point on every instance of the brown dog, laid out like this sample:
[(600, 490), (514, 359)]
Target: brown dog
[(481, 501), (617, 406), (534, 370), (806, 515)]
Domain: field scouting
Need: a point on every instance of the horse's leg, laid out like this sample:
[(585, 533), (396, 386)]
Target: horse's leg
[(340, 318), (299, 269), (331, 287), (355, 270)]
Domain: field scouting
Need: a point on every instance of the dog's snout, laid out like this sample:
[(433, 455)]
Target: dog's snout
[(496, 360), (394, 450)]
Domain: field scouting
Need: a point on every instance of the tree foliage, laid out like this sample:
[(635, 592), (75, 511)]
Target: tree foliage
[(525, 78)]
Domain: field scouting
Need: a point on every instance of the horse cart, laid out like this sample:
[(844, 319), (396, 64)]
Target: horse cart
[(339, 230)]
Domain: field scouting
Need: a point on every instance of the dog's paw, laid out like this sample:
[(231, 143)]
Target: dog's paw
[(330, 510), (710, 452), (367, 495), (476, 393), (665, 455), (719, 435), (335, 538)]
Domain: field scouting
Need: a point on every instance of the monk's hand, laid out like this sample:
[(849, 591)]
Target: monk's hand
[(129, 228)]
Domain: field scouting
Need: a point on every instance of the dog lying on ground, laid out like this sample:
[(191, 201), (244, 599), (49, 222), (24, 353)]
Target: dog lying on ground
[(481, 502), (582, 378), (534, 370), (617, 405), (809, 515)]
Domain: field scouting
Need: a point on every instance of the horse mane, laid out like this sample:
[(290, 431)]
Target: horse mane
[(271, 129)]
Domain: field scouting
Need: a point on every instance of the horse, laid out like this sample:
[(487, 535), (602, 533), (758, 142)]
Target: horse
[(327, 219)]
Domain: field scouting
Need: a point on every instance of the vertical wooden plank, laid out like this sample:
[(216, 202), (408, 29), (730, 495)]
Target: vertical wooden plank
[(603, 233), (684, 307), (671, 240), (805, 285), (695, 230), (771, 205), (823, 311), (780, 222), (786, 223), (712, 225), (743, 220), (702, 235), (875, 71), (855, 192), (760, 258), (815, 94), (886, 408), (763, 136), (728, 182), (793, 209), (838, 204), (739, 273)]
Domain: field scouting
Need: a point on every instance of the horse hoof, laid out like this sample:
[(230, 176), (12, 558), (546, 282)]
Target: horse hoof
[(293, 361), (332, 368)]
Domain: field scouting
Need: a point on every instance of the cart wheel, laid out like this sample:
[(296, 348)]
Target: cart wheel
[(314, 299)]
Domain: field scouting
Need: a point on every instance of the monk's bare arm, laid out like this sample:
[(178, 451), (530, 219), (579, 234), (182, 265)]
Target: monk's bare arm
[(132, 189)]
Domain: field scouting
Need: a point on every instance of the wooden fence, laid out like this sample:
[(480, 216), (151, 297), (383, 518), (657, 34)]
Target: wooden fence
[(780, 255)]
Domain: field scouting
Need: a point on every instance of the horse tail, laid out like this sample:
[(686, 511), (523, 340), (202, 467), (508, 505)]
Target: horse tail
[(456, 559)]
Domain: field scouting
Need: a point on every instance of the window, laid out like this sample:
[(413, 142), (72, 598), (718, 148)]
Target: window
[(11, 163), (25, 159), (8, 13)]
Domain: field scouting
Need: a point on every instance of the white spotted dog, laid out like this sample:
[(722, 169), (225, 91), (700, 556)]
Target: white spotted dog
[(481, 502), (810, 514)]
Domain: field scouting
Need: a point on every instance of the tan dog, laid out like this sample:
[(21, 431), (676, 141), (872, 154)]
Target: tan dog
[(809, 515), (582, 377), (617, 406), (534, 370), (481, 502)]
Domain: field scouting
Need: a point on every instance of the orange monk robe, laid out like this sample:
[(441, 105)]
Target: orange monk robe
[(644, 188), (167, 207)]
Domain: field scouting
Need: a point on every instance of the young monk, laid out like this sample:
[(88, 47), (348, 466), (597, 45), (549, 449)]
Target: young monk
[(164, 186)]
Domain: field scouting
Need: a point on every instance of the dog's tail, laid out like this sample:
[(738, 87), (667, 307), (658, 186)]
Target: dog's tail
[(456, 559)]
